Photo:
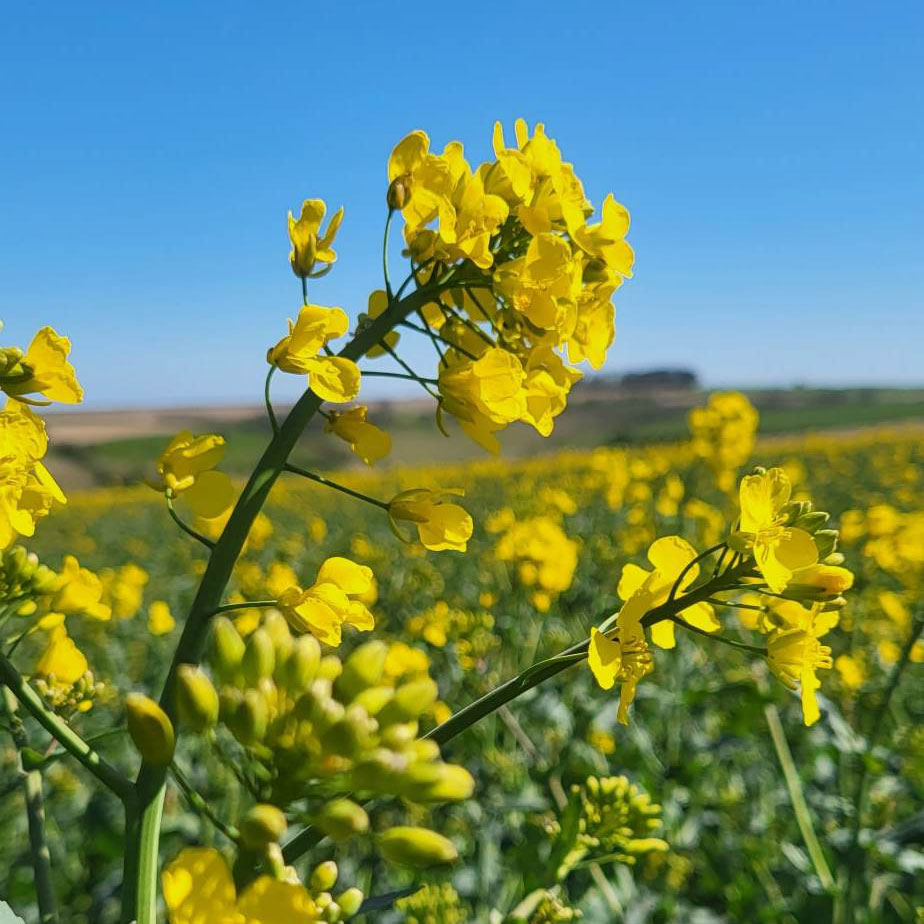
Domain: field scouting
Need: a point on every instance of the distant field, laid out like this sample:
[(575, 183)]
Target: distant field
[(98, 448)]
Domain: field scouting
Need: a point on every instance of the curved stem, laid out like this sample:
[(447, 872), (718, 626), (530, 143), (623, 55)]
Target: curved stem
[(388, 290), (689, 565), (268, 401), (397, 375), (719, 638), (320, 479), (423, 382), (186, 529), (200, 804), (244, 605)]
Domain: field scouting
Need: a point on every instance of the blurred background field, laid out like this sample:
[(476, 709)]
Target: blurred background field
[(90, 448), (553, 532)]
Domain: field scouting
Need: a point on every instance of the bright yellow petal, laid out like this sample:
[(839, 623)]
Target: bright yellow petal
[(350, 577), (631, 580), (604, 657), (210, 495), (198, 888), (334, 378), (662, 634)]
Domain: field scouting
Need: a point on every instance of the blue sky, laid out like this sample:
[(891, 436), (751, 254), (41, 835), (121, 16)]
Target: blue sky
[(770, 154)]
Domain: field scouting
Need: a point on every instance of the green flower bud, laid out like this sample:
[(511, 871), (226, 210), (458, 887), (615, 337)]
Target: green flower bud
[(229, 701), (399, 192), (324, 876), (330, 668), (411, 699), (150, 729), (196, 698), (342, 818), (350, 901), (418, 848), (826, 541), (303, 662), (379, 770), (374, 699), (263, 824), (259, 657), (250, 718), (362, 669), (440, 783), (813, 521), (349, 735), (332, 913), (401, 735), (226, 649)]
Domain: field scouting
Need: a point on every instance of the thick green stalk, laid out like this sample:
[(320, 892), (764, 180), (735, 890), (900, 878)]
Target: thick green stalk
[(41, 857), (140, 868)]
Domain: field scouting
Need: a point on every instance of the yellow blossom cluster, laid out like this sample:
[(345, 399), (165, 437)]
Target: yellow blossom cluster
[(724, 433)]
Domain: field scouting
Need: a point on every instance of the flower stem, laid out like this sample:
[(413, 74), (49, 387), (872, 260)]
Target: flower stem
[(320, 479), (186, 529), (274, 423)]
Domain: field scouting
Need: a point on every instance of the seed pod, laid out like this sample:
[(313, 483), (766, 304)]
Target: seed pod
[(350, 901), (259, 657), (196, 698), (324, 876), (411, 700), (150, 729), (362, 669), (342, 818), (263, 824), (418, 848), (226, 649)]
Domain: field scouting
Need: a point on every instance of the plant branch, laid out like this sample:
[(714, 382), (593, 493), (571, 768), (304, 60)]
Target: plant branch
[(186, 529), (320, 479)]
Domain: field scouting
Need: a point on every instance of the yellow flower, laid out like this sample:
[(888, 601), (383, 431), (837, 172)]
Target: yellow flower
[(309, 246), (365, 439), (851, 669), (625, 658), (79, 592), (332, 378), (315, 327), (795, 654), (333, 600), (44, 370), (468, 221), (440, 524), (199, 889), (778, 549), (548, 382), (160, 619), (62, 662), (669, 557), (594, 328), (605, 240), (378, 302), (186, 468), (27, 490)]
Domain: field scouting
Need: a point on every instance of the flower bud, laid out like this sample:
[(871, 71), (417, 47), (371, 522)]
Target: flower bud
[(826, 541), (226, 649), (350, 901), (416, 847), (303, 662), (250, 719), (362, 669), (399, 192), (813, 521), (150, 729), (411, 700), (330, 668), (196, 698), (439, 782), (263, 824), (342, 818), (259, 657), (374, 699), (324, 876), (348, 735)]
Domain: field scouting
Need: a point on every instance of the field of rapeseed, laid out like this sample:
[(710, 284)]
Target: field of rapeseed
[(670, 683), (755, 822)]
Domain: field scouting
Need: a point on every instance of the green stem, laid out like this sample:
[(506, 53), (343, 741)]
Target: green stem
[(186, 529), (63, 733), (35, 816), (320, 479), (410, 371), (41, 857), (200, 804), (245, 605), (398, 375), (142, 830), (797, 798), (388, 289), (719, 638), (274, 423)]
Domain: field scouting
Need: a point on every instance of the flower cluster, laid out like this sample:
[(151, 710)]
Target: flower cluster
[(187, 469), (780, 549), (724, 433), (531, 275)]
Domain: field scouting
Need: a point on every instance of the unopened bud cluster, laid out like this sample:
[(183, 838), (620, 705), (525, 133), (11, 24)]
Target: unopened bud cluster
[(433, 904), (23, 578)]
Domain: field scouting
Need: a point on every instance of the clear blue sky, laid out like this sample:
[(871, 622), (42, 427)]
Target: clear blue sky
[(770, 154)]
